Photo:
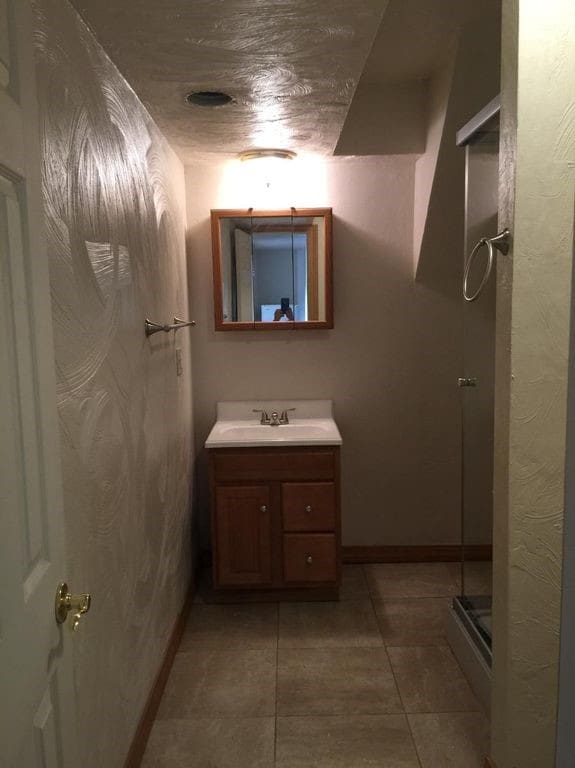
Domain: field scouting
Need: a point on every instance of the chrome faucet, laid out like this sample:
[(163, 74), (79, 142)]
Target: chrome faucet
[(284, 417), (265, 419), (274, 420)]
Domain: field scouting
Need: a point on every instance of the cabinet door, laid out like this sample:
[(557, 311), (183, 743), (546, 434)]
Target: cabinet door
[(243, 535)]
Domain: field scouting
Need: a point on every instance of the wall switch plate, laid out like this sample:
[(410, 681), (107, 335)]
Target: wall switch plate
[(179, 362)]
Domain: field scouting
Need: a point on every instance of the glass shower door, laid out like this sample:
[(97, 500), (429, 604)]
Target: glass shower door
[(477, 382)]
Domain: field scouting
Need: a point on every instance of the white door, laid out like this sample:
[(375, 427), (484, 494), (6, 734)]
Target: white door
[(37, 727), (244, 276)]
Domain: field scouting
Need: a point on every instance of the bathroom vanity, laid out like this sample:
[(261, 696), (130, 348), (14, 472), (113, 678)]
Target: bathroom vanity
[(275, 509)]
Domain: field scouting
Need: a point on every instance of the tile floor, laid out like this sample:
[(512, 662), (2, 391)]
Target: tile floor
[(368, 681)]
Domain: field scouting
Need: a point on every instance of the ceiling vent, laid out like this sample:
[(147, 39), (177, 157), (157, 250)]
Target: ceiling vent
[(209, 98)]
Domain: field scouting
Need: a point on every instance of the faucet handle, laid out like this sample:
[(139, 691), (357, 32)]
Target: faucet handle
[(265, 419), (284, 417)]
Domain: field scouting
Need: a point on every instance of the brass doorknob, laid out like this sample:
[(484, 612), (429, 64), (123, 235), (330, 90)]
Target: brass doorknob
[(66, 602)]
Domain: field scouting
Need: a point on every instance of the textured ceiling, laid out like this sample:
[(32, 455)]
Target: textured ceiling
[(292, 66)]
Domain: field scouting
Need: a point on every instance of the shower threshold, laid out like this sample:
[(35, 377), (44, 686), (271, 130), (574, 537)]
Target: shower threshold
[(471, 646), (475, 615)]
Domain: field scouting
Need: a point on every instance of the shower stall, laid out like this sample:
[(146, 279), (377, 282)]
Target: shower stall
[(469, 628)]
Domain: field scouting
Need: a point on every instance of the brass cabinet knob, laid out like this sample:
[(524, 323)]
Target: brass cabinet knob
[(66, 602), (308, 508), (309, 559), (263, 508)]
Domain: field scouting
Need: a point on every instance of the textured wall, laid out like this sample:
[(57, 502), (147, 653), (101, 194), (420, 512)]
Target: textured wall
[(114, 196), (532, 367), (390, 364)]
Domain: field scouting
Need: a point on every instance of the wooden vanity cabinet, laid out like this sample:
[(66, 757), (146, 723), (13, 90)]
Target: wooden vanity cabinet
[(276, 520)]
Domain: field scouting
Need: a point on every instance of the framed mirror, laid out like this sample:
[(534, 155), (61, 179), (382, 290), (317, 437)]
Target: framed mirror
[(272, 269)]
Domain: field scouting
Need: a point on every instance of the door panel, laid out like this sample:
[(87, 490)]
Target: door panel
[(243, 532), (19, 358), (35, 660), (4, 46), (244, 276)]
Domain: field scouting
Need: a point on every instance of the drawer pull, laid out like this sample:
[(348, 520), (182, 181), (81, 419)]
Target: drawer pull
[(308, 508), (309, 559), (263, 508)]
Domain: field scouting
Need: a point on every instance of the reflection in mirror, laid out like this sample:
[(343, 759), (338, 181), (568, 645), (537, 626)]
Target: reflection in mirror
[(272, 268)]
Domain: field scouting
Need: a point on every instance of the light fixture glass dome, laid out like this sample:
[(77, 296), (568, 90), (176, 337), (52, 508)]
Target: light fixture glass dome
[(255, 154)]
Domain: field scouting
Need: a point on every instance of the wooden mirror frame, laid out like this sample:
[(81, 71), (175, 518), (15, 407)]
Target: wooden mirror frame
[(256, 325)]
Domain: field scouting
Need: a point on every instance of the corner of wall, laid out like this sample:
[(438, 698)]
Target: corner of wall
[(456, 94), (439, 88)]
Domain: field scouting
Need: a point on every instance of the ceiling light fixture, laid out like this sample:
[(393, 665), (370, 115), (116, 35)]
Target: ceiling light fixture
[(255, 154), (209, 98)]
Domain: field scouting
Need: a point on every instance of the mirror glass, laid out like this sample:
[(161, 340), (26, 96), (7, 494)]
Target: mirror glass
[(272, 269)]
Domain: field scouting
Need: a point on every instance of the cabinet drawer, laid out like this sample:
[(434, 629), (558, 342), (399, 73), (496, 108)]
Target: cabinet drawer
[(275, 464), (308, 506), (309, 558)]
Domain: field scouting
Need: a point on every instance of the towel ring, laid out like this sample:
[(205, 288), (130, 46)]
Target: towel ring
[(501, 242)]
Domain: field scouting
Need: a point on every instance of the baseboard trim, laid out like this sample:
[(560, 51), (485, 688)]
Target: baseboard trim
[(138, 745), (424, 553)]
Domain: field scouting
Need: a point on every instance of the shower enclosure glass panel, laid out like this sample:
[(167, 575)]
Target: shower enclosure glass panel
[(477, 392)]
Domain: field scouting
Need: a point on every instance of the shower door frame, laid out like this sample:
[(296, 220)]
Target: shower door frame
[(464, 607), (467, 641)]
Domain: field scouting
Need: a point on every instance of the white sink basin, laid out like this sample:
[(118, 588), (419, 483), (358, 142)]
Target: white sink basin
[(243, 433)]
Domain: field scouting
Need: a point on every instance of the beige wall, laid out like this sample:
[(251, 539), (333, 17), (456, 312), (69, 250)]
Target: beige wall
[(385, 119), (469, 82), (390, 364), (534, 295), (114, 196)]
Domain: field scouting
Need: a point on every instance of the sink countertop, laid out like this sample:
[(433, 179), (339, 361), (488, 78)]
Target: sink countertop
[(310, 424)]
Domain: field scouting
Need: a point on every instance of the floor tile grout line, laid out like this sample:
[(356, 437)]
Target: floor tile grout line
[(414, 645), (386, 653), (394, 677), (276, 715), (419, 759), (412, 598), (224, 649), (277, 681), (387, 647), (403, 597), (383, 644), (394, 713)]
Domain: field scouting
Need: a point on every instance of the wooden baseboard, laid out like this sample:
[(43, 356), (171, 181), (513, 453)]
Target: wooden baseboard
[(138, 746), (433, 553)]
